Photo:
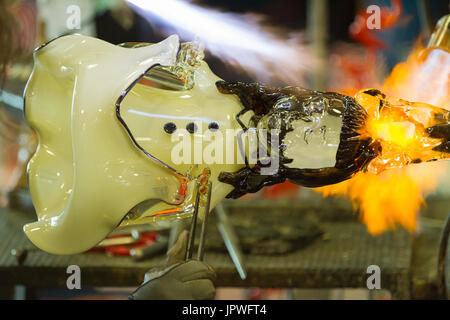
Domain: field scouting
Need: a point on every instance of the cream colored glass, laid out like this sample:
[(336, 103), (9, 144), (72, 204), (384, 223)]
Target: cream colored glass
[(87, 174)]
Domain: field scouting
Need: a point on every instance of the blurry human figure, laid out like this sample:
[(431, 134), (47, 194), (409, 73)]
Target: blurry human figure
[(17, 41), (17, 143), (7, 45)]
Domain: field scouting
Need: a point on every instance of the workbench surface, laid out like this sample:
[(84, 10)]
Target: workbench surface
[(337, 260)]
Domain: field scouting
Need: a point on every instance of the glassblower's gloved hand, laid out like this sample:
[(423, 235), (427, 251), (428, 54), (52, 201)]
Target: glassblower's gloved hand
[(177, 279)]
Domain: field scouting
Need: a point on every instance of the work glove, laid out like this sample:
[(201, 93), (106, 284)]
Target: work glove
[(177, 279)]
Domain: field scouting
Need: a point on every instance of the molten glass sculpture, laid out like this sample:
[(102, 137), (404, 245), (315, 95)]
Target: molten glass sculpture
[(110, 120), (408, 132), (325, 138), (95, 112)]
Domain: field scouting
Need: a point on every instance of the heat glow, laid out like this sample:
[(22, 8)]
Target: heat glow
[(389, 193)]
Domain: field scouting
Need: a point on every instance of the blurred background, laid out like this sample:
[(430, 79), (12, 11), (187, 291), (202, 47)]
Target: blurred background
[(296, 242)]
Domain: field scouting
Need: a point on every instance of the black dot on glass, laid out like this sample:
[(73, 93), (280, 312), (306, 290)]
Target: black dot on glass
[(213, 126), (191, 127), (170, 127)]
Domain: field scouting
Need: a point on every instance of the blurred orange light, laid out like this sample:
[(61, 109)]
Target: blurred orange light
[(390, 193)]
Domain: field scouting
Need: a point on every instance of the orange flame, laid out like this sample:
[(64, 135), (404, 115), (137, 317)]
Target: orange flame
[(387, 198)]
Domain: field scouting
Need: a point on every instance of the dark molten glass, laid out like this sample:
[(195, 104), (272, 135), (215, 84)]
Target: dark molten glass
[(318, 134)]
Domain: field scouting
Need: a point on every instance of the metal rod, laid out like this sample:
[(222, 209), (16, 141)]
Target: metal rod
[(423, 10), (201, 246), (231, 240), (441, 34), (317, 25), (443, 248), (191, 239)]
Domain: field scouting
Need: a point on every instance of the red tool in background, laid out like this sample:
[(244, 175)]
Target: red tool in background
[(124, 244), (389, 18)]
